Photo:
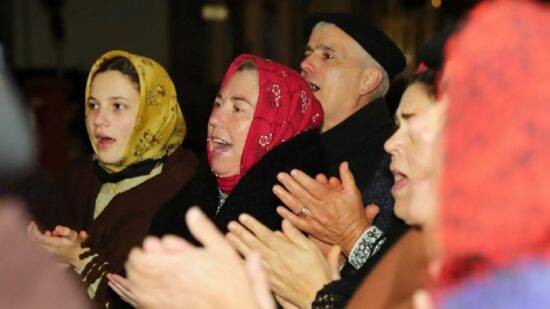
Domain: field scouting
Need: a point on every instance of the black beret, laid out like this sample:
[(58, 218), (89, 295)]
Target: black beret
[(431, 53), (372, 39)]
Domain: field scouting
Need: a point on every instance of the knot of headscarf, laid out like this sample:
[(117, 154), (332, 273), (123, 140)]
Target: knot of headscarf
[(160, 126), (286, 106)]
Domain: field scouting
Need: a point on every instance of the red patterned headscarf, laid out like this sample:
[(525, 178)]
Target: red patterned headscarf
[(286, 106), (495, 205)]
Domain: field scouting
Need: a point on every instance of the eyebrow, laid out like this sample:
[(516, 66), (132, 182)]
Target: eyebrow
[(110, 98), (407, 115), (239, 98), (321, 46)]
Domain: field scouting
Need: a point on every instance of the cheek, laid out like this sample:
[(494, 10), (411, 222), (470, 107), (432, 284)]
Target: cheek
[(126, 127)]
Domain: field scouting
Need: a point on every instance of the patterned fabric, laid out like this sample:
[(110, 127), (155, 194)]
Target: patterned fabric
[(286, 106), (367, 246), (495, 192), (160, 126)]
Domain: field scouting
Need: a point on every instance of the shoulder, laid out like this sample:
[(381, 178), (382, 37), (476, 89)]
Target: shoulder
[(304, 152)]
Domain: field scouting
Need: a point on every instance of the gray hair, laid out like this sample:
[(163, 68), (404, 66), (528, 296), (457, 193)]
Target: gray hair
[(365, 60)]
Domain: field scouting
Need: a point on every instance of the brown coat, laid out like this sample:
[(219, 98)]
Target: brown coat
[(125, 222)]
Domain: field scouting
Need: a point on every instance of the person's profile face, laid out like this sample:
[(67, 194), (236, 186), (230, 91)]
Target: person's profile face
[(408, 151), (230, 122), (112, 109), (331, 68)]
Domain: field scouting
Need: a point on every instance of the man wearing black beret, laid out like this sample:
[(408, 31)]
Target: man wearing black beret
[(349, 64)]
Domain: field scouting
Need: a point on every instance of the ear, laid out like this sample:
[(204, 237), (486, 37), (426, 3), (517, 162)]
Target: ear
[(371, 78)]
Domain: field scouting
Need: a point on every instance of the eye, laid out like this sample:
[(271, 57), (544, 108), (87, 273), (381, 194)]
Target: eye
[(93, 105), (308, 52), (217, 104), (119, 106), (236, 108), (328, 56)]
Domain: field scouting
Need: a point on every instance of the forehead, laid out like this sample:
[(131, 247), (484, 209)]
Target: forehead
[(112, 81), (415, 99), (243, 80), (331, 35)]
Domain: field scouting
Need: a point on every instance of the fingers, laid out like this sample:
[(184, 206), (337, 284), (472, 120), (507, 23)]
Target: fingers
[(297, 221), (152, 244), (121, 286), (264, 234), (310, 185), (83, 235), (175, 244), (372, 210), (63, 231), (238, 244), (295, 236), (333, 258), (287, 198), (322, 179), (335, 184), (260, 285), (204, 230), (248, 239)]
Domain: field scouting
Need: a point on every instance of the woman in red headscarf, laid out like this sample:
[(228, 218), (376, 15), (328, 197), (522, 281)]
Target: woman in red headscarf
[(264, 121)]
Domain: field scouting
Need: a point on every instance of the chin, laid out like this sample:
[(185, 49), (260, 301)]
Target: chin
[(109, 159)]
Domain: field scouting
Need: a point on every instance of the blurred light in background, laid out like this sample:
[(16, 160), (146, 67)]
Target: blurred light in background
[(211, 12)]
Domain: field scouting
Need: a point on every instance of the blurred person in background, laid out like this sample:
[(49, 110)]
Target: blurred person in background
[(28, 276)]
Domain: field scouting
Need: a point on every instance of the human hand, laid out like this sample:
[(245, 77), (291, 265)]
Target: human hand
[(335, 212), (172, 273), (62, 242), (295, 265), (122, 287)]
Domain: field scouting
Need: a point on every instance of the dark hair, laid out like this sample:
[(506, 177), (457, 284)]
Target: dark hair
[(122, 65), (429, 79)]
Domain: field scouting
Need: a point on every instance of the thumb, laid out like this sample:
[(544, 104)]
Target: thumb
[(372, 211), (333, 258), (348, 181)]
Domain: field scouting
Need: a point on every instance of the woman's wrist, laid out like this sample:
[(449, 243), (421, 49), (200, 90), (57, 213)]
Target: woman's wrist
[(77, 262)]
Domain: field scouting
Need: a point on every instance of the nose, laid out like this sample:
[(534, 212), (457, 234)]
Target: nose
[(217, 117), (308, 64), (393, 143), (101, 117)]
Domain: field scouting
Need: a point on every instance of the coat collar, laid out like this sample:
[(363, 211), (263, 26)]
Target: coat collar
[(360, 127)]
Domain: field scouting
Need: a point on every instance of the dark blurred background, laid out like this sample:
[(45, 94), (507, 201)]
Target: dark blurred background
[(50, 45)]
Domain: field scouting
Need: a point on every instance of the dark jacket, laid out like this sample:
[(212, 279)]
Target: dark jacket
[(359, 140), (252, 195)]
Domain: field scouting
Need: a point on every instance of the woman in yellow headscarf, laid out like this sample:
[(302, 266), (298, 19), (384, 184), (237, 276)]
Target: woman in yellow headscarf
[(135, 127)]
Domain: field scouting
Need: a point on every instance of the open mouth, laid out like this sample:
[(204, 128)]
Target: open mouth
[(219, 145), (400, 181), (103, 141)]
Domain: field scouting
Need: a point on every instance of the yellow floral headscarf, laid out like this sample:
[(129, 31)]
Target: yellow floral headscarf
[(160, 126)]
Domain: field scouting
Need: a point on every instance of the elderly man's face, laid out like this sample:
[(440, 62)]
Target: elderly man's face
[(331, 67)]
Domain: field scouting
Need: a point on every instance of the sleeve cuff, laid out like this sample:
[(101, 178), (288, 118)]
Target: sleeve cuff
[(365, 247)]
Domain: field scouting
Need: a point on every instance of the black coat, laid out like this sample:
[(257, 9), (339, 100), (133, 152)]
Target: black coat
[(252, 195), (359, 140)]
